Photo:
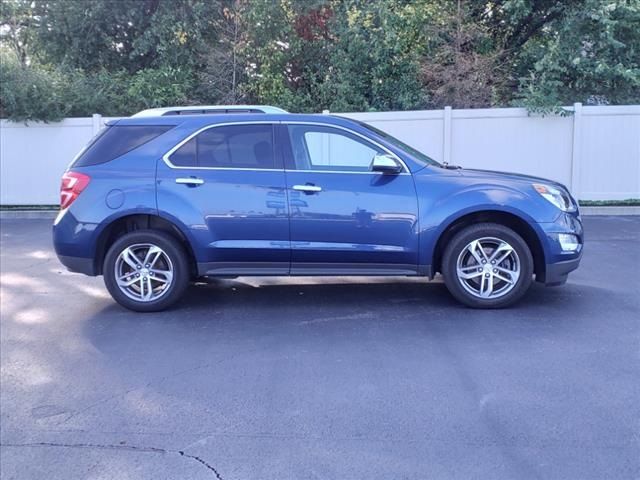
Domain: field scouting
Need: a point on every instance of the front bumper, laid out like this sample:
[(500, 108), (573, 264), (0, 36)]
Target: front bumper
[(559, 262)]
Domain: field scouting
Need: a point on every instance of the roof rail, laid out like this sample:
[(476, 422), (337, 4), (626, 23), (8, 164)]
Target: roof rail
[(208, 110)]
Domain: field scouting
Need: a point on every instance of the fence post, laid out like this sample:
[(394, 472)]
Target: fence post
[(576, 152), (446, 146), (96, 120)]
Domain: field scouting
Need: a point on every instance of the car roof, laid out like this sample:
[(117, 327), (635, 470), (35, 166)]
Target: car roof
[(208, 110), (197, 121)]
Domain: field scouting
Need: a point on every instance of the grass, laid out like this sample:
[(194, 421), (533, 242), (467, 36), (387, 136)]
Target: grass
[(629, 202), (30, 207)]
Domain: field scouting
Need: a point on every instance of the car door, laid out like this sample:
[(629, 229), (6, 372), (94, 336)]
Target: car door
[(344, 218), (227, 185)]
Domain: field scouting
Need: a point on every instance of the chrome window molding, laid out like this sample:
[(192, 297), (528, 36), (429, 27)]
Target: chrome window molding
[(166, 156), (405, 169), (344, 172), (167, 161), (229, 168)]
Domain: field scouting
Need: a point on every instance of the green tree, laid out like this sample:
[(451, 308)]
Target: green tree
[(28, 93), (286, 52), (375, 63), (118, 56), (223, 74), (93, 35), (159, 87), (342, 55), (593, 57), (17, 21)]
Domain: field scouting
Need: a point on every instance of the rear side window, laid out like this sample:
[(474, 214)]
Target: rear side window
[(117, 140), (231, 146)]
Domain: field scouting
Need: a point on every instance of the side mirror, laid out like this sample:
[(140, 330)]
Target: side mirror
[(385, 164)]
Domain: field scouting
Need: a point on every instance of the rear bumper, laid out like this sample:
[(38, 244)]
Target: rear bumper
[(74, 243), (78, 264)]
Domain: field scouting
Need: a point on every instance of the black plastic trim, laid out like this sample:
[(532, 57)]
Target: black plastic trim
[(212, 269), (556, 273), (243, 268), (79, 265), (353, 269)]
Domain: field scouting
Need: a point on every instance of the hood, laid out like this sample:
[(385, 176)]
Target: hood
[(488, 175)]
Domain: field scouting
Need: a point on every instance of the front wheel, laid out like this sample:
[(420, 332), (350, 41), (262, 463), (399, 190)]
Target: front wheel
[(146, 270), (487, 266)]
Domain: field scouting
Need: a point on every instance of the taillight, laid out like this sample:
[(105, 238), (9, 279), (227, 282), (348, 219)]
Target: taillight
[(73, 183)]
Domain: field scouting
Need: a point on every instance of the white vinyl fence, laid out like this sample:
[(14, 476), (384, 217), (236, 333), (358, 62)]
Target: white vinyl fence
[(595, 151)]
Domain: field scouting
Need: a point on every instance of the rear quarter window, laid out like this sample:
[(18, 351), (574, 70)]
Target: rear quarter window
[(117, 140)]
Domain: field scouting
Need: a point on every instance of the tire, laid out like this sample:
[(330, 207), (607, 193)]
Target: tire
[(168, 266), (471, 277)]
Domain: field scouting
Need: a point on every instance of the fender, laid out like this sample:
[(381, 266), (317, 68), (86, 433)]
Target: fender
[(194, 233), (437, 216)]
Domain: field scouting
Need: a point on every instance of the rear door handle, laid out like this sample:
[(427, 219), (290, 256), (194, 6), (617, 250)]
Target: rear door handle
[(192, 181), (307, 188)]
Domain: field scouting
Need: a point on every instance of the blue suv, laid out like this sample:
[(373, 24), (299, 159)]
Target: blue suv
[(168, 196)]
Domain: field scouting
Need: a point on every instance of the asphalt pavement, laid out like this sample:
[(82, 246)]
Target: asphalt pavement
[(320, 378)]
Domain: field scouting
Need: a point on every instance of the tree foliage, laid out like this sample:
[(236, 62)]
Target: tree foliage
[(593, 57), (69, 57)]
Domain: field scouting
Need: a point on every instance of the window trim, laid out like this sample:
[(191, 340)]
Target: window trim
[(166, 156), (405, 169), (167, 161)]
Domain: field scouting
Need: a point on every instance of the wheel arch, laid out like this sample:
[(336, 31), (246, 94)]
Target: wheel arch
[(140, 221), (511, 220)]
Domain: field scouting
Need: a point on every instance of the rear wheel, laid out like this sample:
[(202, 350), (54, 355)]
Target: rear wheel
[(487, 266), (146, 270)]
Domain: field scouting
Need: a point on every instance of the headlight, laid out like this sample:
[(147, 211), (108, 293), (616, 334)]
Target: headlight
[(559, 197)]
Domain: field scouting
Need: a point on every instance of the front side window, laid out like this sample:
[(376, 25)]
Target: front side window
[(316, 147), (230, 146)]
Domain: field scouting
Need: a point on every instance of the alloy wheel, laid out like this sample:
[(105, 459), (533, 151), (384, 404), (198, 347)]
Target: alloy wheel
[(144, 272), (488, 268)]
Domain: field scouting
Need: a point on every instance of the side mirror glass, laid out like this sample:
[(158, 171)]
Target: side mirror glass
[(385, 164)]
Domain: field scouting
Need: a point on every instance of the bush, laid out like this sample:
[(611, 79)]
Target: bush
[(29, 93), (35, 92), (158, 87)]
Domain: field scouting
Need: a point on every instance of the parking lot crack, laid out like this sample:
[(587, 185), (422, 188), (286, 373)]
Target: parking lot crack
[(198, 459), (131, 448)]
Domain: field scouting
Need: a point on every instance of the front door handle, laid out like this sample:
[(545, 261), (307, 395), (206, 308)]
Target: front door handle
[(307, 188), (191, 181)]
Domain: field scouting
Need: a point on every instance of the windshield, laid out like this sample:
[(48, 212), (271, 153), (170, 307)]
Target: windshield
[(418, 155)]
